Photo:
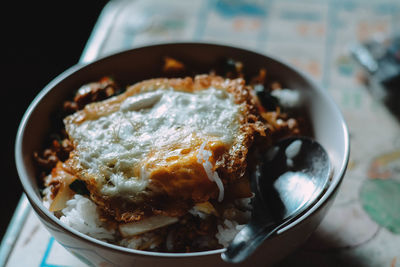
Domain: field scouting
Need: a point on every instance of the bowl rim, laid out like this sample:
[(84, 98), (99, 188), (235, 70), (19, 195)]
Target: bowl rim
[(30, 192)]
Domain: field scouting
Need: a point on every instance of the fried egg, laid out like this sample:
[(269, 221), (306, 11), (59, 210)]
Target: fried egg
[(179, 138)]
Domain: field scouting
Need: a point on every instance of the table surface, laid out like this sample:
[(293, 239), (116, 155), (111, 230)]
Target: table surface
[(363, 226)]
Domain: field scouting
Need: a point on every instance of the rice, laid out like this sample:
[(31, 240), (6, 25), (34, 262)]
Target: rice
[(197, 213), (46, 193), (236, 216), (82, 215), (203, 158), (287, 98), (227, 232)]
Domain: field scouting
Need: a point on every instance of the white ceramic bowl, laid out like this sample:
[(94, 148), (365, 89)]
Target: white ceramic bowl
[(143, 63)]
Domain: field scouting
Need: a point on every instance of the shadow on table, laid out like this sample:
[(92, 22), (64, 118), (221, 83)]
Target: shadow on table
[(386, 93), (389, 95), (321, 251)]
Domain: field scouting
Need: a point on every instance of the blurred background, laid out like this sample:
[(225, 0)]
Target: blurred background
[(40, 39)]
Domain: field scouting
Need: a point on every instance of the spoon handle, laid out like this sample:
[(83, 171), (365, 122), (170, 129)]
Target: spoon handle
[(247, 241)]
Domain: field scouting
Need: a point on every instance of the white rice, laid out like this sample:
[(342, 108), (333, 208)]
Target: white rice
[(197, 213), (81, 214), (203, 158), (47, 192), (244, 203), (227, 232), (47, 197), (287, 98), (236, 216)]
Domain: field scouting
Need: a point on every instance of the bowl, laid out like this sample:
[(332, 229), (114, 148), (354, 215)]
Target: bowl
[(141, 63)]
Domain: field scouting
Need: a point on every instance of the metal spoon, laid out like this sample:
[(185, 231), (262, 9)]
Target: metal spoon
[(290, 178)]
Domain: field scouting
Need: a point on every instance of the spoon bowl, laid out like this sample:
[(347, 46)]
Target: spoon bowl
[(291, 177), (327, 123)]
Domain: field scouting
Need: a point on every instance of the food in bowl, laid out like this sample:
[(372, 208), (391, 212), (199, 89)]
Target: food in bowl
[(163, 165)]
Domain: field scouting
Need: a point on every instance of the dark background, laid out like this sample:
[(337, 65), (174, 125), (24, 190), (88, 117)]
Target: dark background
[(39, 41)]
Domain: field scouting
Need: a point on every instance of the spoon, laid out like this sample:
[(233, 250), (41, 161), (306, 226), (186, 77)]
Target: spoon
[(290, 178)]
